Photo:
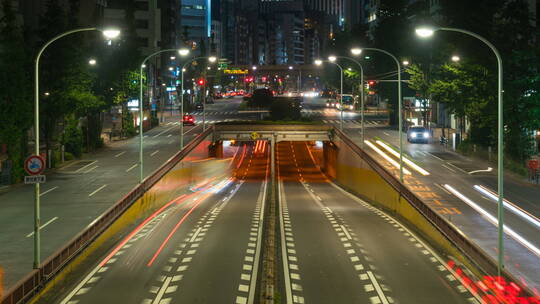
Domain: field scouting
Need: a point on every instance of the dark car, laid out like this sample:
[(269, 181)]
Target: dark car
[(188, 120), (418, 134)]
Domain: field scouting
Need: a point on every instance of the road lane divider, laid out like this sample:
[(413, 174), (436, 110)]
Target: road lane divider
[(120, 154), (86, 166), (507, 230), (132, 167), (91, 169), (43, 226), (97, 190), (509, 205), (45, 192), (154, 153)]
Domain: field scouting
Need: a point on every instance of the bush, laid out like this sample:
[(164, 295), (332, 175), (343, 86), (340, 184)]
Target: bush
[(72, 139), (284, 108)]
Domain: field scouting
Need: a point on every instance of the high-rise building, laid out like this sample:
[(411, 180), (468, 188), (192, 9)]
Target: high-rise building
[(196, 24)]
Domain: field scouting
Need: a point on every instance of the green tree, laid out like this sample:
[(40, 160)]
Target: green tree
[(16, 109)]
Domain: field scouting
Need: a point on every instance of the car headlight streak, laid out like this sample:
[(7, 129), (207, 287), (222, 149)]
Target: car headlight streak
[(493, 220), (388, 158), (406, 160)]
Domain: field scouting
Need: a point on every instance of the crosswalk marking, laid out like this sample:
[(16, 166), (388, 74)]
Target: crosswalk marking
[(355, 122)]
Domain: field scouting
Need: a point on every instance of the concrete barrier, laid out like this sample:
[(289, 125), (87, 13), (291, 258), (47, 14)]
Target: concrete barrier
[(353, 169), (190, 167)]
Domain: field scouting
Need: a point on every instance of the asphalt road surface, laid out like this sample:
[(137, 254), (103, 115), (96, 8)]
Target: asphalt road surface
[(78, 193), (204, 247), (464, 203), (338, 249)]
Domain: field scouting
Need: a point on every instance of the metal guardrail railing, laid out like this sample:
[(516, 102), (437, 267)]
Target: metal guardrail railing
[(474, 253), (37, 278)]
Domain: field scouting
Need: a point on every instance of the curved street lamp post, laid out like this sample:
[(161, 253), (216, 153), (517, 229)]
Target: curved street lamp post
[(109, 34), (182, 52), (426, 32)]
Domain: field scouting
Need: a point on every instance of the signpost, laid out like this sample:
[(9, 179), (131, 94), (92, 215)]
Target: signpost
[(34, 166)]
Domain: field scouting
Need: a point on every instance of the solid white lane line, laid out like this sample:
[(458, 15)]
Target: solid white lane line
[(154, 153), (53, 188), (386, 133), (378, 288), (97, 190), (288, 291), (162, 290), (132, 167), (43, 226), (262, 195), (84, 167), (405, 159), (81, 284), (120, 154), (195, 235)]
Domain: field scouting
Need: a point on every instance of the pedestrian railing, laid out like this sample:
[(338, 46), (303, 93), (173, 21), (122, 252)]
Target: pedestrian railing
[(37, 278)]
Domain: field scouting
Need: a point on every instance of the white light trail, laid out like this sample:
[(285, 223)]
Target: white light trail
[(406, 160), (388, 158), (494, 221), (509, 205)]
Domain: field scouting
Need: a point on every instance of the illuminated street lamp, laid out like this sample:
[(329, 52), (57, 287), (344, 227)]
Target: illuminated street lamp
[(320, 62), (332, 58), (211, 59), (455, 58), (108, 34), (92, 62), (405, 62), (426, 32), (400, 115), (143, 65)]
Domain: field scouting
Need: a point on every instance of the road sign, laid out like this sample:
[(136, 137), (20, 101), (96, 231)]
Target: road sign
[(34, 165), (255, 135), (35, 179)]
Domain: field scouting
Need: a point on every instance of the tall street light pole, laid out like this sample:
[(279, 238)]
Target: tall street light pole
[(107, 33), (332, 59), (426, 32), (400, 115), (211, 59), (182, 52), (358, 52)]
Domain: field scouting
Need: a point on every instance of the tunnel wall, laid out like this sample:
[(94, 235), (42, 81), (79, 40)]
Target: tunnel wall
[(194, 168), (356, 171)]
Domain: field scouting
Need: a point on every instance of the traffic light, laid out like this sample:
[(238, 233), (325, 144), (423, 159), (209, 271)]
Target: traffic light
[(371, 83), (201, 81)]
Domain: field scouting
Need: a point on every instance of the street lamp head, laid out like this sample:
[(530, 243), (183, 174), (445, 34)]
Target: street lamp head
[(254, 68), (111, 33), (92, 62), (171, 68), (356, 51), (424, 32), (143, 66), (455, 58), (349, 69), (332, 58), (208, 68), (290, 67), (212, 59), (318, 62), (406, 62), (173, 57), (183, 70), (183, 52)]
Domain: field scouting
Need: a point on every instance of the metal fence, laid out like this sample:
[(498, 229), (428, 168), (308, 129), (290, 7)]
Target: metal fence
[(37, 278), (475, 254)]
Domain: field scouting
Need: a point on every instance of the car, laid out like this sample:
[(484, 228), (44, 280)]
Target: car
[(188, 120), (199, 106), (418, 134), (331, 103), (348, 103)]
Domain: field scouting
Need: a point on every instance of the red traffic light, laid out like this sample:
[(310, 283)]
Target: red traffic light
[(201, 82), (371, 82)]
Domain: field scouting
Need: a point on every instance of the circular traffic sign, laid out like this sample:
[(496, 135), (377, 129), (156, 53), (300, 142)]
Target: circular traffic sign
[(34, 165)]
